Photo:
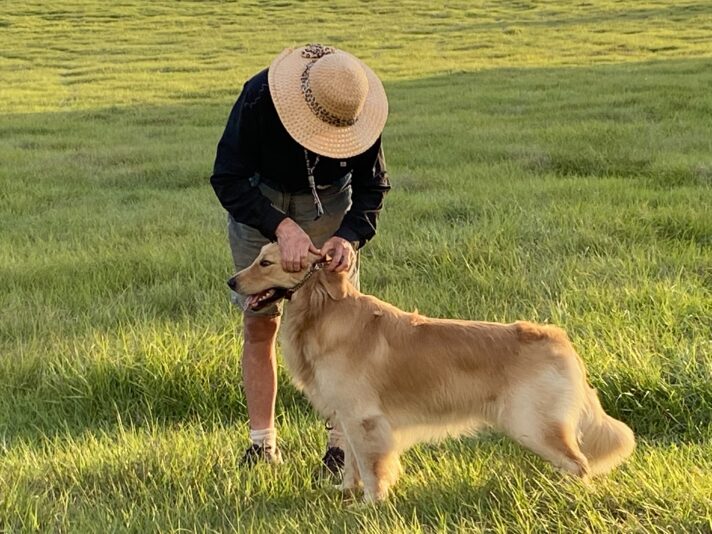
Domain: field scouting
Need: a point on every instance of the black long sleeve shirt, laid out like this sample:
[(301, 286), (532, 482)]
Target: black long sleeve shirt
[(256, 142)]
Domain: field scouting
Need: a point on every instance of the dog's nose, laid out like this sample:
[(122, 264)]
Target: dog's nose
[(232, 283)]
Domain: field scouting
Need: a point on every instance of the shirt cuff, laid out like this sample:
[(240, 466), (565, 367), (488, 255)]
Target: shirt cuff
[(270, 222)]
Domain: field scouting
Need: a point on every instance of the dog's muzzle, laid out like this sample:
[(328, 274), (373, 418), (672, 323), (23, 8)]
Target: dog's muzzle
[(232, 283)]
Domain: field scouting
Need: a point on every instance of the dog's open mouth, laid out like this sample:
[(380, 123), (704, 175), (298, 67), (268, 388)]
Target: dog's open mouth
[(263, 298)]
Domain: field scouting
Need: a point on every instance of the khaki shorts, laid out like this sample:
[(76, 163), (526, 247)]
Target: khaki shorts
[(246, 242)]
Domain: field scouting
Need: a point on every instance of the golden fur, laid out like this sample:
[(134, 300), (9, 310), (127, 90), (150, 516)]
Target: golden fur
[(392, 379)]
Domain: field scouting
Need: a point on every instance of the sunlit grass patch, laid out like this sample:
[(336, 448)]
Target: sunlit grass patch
[(549, 161)]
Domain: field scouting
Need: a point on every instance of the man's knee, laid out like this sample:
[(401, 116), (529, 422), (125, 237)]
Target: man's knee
[(259, 329)]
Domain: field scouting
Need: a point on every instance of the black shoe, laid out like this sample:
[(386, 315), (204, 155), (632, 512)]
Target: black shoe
[(333, 460), (257, 453), (330, 468)]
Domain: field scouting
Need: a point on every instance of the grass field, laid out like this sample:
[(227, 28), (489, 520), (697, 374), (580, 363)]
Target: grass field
[(550, 161)]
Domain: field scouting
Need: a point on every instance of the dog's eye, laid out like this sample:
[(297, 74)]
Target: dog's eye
[(265, 263)]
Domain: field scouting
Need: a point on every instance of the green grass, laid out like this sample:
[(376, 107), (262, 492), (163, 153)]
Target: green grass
[(550, 161)]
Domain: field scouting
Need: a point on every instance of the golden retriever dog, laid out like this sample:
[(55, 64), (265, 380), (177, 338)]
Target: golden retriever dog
[(392, 378)]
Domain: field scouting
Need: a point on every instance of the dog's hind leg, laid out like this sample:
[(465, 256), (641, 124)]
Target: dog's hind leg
[(542, 414), (559, 446), (371, 439), (556, 443), (552, 438)]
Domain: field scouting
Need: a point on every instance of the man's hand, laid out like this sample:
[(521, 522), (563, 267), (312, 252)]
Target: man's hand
[(295, 245), (342, 254)]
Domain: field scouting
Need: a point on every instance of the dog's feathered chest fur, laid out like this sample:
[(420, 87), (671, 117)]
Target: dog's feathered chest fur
[(301, 319), (322, 334)]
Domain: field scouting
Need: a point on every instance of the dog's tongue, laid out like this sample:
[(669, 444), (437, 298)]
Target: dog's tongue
[(253, 301), (250, 301)]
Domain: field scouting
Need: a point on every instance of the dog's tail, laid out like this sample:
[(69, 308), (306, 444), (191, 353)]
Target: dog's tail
[(605, 441)]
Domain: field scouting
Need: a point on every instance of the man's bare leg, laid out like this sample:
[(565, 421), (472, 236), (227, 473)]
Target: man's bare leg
[(259, 373)]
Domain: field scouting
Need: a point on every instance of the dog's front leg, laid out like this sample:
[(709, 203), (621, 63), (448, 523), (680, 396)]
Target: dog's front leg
[(352, 478), (373, 446)]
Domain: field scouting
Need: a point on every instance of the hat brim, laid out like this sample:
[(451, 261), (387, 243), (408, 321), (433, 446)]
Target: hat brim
[(309, 130)]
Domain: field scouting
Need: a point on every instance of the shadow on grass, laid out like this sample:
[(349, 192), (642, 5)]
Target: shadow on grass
[(50, 399), (42, 404), (647, 122)]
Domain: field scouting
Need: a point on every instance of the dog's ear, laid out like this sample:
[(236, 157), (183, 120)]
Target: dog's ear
[(336, 285)]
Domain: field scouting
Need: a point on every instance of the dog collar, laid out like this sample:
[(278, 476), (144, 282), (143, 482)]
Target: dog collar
[(314, 268)]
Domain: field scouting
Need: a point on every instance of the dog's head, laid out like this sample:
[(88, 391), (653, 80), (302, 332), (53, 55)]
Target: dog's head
[(265, 281)]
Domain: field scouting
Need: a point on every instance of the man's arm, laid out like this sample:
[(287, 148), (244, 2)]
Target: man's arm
[(236, 162), (369, 185)]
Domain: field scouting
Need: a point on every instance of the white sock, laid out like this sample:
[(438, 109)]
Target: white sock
[(267, 438)]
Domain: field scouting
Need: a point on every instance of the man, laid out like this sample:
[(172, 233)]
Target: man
[(300, 162)]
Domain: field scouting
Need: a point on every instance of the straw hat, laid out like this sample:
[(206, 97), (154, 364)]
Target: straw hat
[(329, 101)]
